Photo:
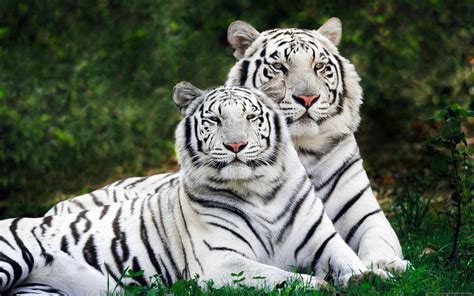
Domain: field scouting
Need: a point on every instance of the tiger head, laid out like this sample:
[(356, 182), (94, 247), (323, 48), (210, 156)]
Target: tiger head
[(323, 92), (230, 133)]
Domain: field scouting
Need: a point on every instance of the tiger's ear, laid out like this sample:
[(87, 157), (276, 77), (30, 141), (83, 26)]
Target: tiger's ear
[(184, 93), (332, 30), (275, 89), (240, 36)]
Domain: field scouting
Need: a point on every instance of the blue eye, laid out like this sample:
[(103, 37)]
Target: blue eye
[(279, 67)]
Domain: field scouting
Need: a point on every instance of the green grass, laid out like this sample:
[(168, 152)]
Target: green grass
[(431, 274)]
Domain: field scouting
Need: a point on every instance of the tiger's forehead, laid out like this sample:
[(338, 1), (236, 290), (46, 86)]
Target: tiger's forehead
[(289, 42), (228, 99)]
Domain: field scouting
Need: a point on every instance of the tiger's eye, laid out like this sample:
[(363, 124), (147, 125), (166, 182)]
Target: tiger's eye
[(251, 116), (277, 66), (215, 119), (280, 67), (318, 66)]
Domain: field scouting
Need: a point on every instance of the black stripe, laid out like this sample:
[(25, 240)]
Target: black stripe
[(336, 181), (96, 200), (73, 226), (149, 249), (321, 249), (133, 184), (104, 211), (90, 254), (36, 289), (136, 267), (188, 138), (132, 207), (2, 239), (119, 241), (164, 243), (223, 249), (47, 257), (25, 253), (255, 72), (309, 234), (354, 228), (189, 235), (65, 245), (166, 273), (350, 203), (45, 223), (234, 233), (114, 276), (17, 270), (243, 72), (336, 172), (78, 203), (228, 208), (295, 193), (293, 214), (6, 273)]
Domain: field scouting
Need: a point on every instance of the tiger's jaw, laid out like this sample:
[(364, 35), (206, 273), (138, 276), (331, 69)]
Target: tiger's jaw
[(237, 170)]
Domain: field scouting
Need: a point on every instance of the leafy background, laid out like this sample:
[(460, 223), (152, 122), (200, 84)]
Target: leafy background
[(85, 86)]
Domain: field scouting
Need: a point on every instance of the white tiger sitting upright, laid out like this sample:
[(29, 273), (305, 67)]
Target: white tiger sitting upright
[(243, 202), (322, 111)]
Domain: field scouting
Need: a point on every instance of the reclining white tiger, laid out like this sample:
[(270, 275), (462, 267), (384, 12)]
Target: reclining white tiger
[(243, 202), (322, 111)]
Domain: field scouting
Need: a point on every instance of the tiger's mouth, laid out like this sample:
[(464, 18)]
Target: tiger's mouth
[(305, 118)]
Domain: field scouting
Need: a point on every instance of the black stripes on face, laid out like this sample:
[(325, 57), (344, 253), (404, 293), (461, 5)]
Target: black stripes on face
[(202, 129)]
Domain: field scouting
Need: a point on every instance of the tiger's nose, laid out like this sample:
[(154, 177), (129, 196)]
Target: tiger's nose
[(306, 100), (235, 147)]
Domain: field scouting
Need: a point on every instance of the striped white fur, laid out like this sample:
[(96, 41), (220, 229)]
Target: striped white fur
[(323, 133), (253, 209)]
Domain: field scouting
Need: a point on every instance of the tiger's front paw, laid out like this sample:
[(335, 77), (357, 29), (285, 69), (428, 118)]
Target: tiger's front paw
[(394, 265), (315, 282), (348, 278), (345, 279)]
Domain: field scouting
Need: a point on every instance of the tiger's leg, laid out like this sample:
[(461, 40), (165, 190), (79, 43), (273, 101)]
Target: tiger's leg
[(219, 268), (378, 247), (359, 219)]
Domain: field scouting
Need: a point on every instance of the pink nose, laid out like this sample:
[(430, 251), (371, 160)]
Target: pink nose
[(306, 101), (235, 147)]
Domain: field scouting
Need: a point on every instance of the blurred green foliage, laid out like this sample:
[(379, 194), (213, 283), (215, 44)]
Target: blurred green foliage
[(85, 86)]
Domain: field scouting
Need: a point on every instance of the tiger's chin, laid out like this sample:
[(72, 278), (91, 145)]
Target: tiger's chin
[(304, 128), (237, 171)]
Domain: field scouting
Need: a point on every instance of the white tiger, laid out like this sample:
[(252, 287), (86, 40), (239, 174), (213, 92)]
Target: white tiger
[(242, 202), (322, 111)]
